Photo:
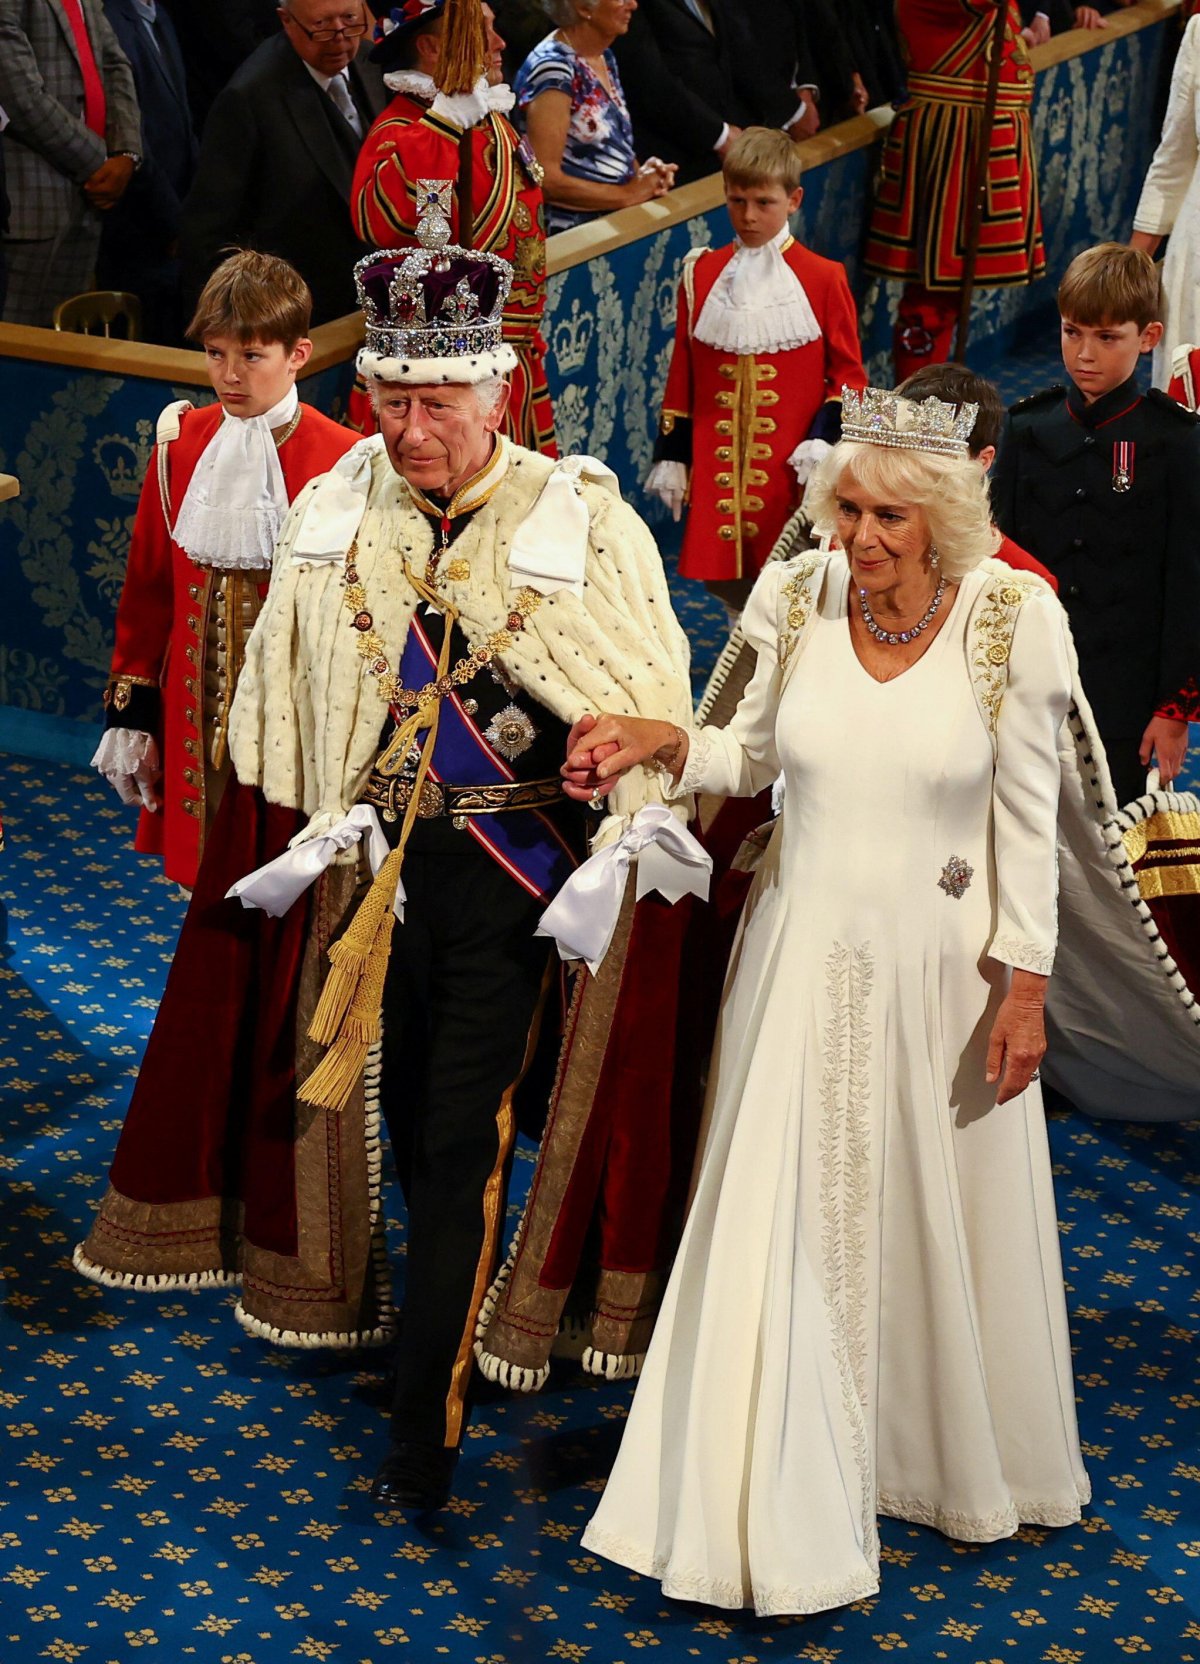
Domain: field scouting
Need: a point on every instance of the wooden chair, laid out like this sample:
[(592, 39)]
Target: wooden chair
[(96, 312)]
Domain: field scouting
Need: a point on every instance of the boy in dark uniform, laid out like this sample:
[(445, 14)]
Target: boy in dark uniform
[(1102, 484)]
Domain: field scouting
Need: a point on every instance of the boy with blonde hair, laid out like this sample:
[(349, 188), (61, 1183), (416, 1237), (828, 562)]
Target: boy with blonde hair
[(1102, 483), (766, 334), (217, 488)]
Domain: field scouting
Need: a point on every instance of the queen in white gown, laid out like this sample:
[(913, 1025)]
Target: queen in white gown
[(866, 1314)]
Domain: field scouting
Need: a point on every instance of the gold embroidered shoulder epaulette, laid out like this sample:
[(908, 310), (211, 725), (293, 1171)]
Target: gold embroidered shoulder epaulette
[(995, 621), (798, 592), (1038, 401)]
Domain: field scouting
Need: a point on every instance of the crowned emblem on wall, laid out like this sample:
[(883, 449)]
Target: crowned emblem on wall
[(123, 461), (573, 340)]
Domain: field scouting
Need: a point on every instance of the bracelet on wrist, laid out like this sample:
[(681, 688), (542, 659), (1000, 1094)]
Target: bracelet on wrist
[(666, 758)]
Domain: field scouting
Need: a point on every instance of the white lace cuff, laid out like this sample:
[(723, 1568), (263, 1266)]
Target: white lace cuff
[(128, 759), (694, 769), (1023, 955)]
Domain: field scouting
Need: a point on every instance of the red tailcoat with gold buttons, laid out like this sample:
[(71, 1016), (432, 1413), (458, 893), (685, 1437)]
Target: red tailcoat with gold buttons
[(163, 624), (407, 143), (919, 221), (750, 411)]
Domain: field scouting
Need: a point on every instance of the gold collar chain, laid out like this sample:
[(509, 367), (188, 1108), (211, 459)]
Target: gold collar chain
[(373, 649)]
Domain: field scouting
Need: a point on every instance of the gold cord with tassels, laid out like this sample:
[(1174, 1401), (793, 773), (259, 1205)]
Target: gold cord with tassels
[(462, 57), (348, 1012)]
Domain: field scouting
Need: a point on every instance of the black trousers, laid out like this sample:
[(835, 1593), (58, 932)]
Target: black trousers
[(1127, 770), (464, 989)]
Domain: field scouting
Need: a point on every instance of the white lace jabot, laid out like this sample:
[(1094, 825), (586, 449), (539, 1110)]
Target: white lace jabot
[(758, 304), (236, 499)]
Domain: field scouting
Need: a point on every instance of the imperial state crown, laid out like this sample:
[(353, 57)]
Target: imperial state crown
[(433, 313)]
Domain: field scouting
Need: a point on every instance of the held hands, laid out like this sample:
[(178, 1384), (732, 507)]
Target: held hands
[(860, 101), (1017, 1042), (1087, 17), (1164, 743), (105, 188), (600, 749), (1037, 32)]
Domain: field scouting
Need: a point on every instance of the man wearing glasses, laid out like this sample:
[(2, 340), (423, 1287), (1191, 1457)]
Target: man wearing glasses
[(278, 152)]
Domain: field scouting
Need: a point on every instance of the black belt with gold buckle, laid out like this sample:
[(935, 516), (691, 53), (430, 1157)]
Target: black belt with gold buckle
[(392, 795)]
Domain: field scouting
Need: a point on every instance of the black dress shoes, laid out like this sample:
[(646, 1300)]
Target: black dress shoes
[(415, 1476)]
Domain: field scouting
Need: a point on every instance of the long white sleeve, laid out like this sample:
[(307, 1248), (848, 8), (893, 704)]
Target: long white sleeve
[(740, 759), (1174, 162), (1026, 787)]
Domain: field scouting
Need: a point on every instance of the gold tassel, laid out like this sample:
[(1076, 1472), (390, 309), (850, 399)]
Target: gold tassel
[(462, 56), (347, 1018)]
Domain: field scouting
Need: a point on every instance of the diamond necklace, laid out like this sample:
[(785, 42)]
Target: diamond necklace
[(898, 638)]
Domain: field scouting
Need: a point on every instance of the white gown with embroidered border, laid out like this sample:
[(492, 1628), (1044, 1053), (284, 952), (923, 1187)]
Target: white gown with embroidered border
[(866, 1314)]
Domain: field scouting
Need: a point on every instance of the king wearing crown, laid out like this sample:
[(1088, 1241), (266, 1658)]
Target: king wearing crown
[(448, 118), (445, 604)]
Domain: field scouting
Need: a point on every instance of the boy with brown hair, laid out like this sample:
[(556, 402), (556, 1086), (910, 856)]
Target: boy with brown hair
[(765, 337), (1102, 483), (954, 384), (217, 488)]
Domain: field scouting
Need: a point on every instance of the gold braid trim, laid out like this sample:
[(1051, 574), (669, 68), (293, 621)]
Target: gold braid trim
[(347, 1018)]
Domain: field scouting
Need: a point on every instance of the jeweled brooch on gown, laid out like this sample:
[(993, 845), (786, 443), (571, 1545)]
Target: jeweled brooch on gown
[(956, 876)]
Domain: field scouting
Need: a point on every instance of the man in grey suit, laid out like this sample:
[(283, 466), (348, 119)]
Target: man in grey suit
[(70, 149), (278, 151)]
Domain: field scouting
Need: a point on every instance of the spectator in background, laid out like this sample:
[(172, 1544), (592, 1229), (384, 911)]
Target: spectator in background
[(277, 157), (3, 229), (216, 37), (139, 241), (810, 62), (574, 111), (686, 72), (71, 146)]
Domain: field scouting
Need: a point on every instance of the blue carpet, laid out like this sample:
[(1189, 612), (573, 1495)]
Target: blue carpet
[(173, 1484)]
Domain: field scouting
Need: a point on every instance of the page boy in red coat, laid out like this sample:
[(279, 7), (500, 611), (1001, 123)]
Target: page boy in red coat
[(217, 489), (765, 337)]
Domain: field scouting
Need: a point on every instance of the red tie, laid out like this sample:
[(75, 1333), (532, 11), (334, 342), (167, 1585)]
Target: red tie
[(94, 110)]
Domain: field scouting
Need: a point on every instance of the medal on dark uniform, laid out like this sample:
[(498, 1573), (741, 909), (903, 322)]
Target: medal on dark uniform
[(1122, 476)]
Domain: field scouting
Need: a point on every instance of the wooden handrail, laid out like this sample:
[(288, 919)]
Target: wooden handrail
[(335, 342)]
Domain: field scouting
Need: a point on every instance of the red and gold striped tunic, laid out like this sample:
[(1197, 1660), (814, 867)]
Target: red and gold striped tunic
[(919, 221)]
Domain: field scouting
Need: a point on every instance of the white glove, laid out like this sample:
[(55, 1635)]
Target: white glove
[(128, 760), (805, 458), (464, 109), (668, 481)]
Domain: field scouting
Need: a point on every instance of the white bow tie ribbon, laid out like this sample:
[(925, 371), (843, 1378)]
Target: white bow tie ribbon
[(277, 886), (583, 916), (549, 549), (334, 511)]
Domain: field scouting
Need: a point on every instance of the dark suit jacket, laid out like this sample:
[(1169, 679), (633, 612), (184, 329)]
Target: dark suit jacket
[(1126, 561), (148, 213), (683, 82), (276, 164), (216, 37)]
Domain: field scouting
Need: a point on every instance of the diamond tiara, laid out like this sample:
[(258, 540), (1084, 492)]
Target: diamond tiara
[(877, 417)]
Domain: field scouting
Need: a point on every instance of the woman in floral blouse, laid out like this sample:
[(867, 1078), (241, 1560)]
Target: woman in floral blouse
[(574, 111)]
